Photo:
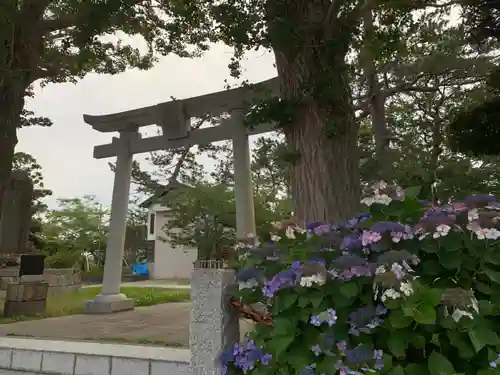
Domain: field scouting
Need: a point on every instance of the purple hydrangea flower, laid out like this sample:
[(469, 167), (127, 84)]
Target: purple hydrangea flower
[(480, 198), (358, 355), (351, 242), (243, 356), (387, 226), (358, 271), (284, 279), (313, 225), (342, 346), (398, 270)]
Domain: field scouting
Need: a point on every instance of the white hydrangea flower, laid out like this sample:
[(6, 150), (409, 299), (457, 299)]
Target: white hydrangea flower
[(380, 185), (380, 270), (249, 284), (459, 314), (473, 215), (390, 293), (406, 288), (368, 201), (383, 199), (309, 281), (475, 304), (485, 233), (442, 230), (290, 233), (300, 230), (377, 198), (407, 266), (275, 238)]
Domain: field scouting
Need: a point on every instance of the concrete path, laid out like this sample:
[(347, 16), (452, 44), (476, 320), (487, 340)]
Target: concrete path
[(166, 324), (149, 284)]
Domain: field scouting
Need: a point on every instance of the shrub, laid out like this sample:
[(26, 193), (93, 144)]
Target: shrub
[(62, 259), (93, 272), (404, 289)]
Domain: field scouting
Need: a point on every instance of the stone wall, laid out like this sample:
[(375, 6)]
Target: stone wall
[(60, 280)]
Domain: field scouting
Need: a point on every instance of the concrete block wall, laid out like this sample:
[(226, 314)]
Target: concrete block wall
[(59, 280), (85, 358), (62, 280)]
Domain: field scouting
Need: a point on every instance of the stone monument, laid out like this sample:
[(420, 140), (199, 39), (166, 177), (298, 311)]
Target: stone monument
[(21, 270), (15, 218)]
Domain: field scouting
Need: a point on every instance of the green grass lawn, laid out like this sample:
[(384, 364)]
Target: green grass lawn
[(71, 303)]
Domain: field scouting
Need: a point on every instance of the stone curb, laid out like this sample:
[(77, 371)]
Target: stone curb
[(84, 358)]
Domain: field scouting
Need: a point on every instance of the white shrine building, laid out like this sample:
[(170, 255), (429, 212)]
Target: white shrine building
[(164, 260)]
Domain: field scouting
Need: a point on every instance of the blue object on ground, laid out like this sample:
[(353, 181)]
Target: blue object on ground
[(140, 269)]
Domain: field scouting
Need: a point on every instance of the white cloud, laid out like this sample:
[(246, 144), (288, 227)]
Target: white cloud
[(65, 150)]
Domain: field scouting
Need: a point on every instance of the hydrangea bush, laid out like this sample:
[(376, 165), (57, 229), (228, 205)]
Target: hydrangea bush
[(407, 288)]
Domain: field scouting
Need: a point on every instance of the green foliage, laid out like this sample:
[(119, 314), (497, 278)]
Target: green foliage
[(63, 259), (79, 225), (418, 284), (476, 131), (203, 217)]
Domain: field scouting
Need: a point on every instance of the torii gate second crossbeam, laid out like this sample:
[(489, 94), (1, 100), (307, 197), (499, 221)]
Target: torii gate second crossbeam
[(175, 118)]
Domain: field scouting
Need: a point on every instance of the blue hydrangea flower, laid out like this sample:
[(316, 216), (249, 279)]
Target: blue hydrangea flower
[(315, 321), (358, 355), (243, 356), (496, 362)]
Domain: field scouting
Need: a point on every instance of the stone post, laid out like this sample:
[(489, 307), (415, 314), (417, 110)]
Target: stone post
[(110, 299), (214, 322), (243, 190)]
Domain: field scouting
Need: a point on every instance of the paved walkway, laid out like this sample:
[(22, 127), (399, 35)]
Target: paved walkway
[(148, 284), (165, 324)]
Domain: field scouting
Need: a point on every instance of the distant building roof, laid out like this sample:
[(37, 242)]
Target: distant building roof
[(172, 185)]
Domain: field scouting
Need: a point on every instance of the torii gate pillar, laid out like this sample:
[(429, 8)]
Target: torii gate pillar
[(243, 189), (110, 299)]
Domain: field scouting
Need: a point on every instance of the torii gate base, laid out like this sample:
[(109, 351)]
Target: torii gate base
[(174, 117)]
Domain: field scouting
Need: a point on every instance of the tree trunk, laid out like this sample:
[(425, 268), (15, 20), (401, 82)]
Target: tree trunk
[(382, 169), (323, 135), (16, 63), (11, 105)]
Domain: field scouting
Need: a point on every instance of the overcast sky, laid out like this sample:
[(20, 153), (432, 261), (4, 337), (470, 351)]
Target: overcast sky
[(65, 150)]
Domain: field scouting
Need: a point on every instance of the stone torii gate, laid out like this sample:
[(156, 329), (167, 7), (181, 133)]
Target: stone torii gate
[(174, 117)]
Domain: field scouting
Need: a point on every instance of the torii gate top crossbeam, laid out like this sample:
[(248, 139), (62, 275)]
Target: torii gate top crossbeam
[(210, 104)]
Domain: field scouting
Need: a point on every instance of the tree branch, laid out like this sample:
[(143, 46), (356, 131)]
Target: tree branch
[(32, 11), (364, 106), (422, 4), (331, 15), (71, 20), (185, 152)]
